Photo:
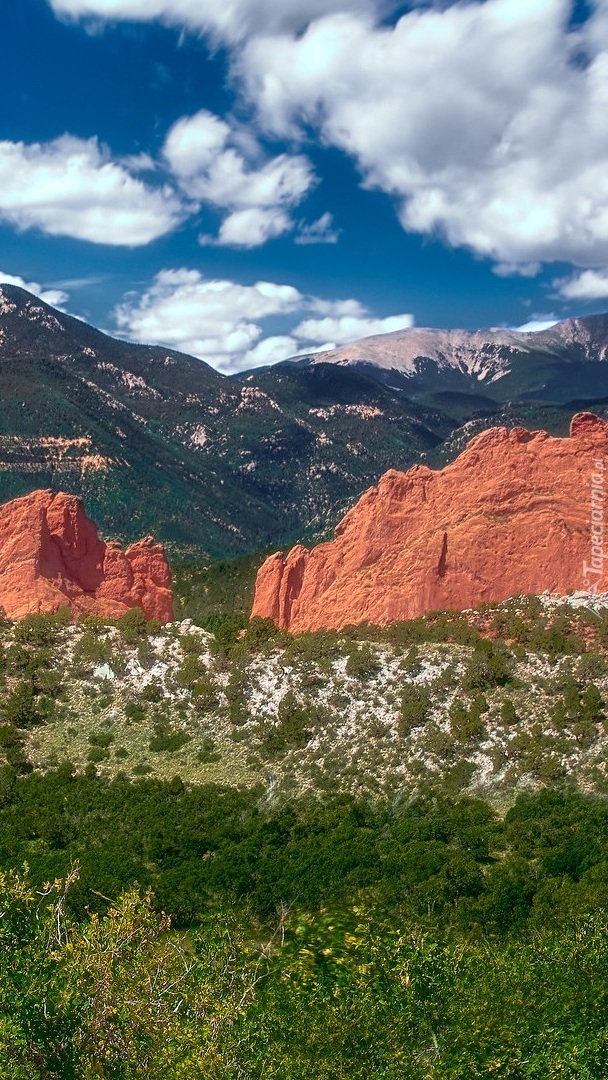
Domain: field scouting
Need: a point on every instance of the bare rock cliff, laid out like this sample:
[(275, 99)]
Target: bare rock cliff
[(52, 556), (517, 512)]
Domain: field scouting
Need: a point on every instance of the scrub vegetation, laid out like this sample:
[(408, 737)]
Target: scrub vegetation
[(230, 852)]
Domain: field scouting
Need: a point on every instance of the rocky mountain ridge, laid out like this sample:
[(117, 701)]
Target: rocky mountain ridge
[(515, 513), (495, 362), (158, 442)]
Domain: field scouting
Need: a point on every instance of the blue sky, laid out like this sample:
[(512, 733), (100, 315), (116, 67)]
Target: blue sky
[(248, 179)]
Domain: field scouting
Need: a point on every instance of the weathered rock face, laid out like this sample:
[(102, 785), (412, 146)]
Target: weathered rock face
[(518, 512), (51, 556)]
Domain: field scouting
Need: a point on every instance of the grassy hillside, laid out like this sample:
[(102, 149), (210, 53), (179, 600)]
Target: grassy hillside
[(511, 698)]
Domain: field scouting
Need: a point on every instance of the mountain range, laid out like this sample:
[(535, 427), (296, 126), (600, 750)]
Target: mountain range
[(554, 365), (157, 441)]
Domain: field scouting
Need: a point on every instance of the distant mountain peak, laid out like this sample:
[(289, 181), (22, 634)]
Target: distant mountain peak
[(421, 360)]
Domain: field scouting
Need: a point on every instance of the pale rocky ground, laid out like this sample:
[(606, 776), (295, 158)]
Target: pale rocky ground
[(352, 737)]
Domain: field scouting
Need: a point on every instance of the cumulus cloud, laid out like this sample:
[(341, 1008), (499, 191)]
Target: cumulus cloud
[(225, 168), (223, 322), (71, 187), (56, 297), (333, 331), (218, 321), (588, 285), (486, 121), (253, 227), (270, 351), (229, 22)]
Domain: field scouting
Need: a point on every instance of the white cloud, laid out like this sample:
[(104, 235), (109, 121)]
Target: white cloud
[(506, 269), (253, 227), (346, 328), (55, 297), (224, 168), (218, 321), (270, 351), (337, 308), (588, 285), (71, 187), (230, 21), (223, 322), (194, 143), (487, 121), (320, 231)]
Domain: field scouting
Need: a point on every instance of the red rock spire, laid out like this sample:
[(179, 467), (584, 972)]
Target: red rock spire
[(517, 512), (52, 556)]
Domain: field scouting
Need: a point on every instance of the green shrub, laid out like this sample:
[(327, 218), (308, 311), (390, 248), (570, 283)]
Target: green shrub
[(190, 671), (101, 738), (411, 664), (207, 757), (261, 633), (166, 740), (91, 649), (9, 736), (293, 730), (592, 665), (48, 682), (97, 754), (413, 709), (508, 713), (132, 625), (135, 712), (362, 663), (204, 693), (550, 770), (591, 707), (322, 647), (466, 722), (22, 660), (141, 769), (440, 743), (459, 776), (20, 707), (191, 644), (40, 630), (580, 713), (153, 692), (489, 666)]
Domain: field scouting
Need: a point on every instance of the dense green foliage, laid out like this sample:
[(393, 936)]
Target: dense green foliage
[(443, 861), (429, 940), (219, 594)]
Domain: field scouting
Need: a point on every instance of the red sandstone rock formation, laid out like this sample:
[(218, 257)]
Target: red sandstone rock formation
[(518, 512), (51, 556)]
